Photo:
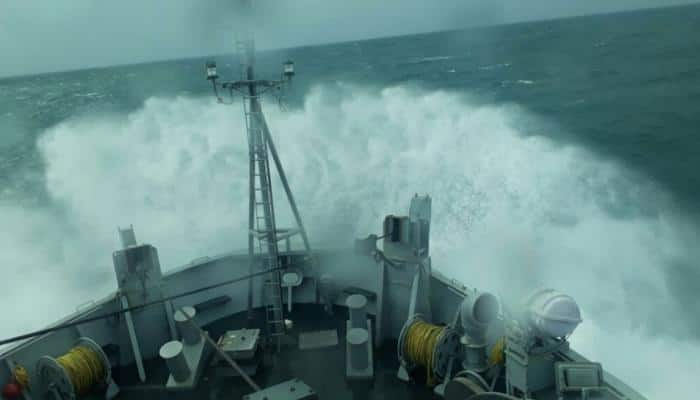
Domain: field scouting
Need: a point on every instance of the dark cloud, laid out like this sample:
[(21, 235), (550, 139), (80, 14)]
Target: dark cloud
[(46, 36)]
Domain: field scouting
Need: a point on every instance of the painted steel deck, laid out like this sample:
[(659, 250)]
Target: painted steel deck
[(323, 369)]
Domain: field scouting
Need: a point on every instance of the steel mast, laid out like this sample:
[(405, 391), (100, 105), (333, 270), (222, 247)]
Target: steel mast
[(263, 234)]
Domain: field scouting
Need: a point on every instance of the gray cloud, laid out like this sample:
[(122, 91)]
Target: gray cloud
[(40, 36)]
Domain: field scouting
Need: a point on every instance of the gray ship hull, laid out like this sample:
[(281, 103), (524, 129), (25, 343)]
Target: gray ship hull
[(388, 290)]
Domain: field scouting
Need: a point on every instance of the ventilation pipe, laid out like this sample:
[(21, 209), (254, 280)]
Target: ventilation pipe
[(477, 311)]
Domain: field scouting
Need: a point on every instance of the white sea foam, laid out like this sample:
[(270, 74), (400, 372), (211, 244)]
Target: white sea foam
[(90, 94), (525, 82), (422, 60), (495, 66), (512, 209), (436, 58)]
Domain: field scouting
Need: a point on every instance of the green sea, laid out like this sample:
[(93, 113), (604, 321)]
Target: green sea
[(560, 153)]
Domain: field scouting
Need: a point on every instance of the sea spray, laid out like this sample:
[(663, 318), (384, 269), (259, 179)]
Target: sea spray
[(512, 209)]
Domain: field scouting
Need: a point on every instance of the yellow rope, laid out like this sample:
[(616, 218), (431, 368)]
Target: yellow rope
[(498, 355), (419, 345), (84, 367), (21, 376)]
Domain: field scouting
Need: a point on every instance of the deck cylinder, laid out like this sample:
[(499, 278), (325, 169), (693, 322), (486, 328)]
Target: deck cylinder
[(477, 311), (188, 330), (175, 359), (357, 339), (357, 307)]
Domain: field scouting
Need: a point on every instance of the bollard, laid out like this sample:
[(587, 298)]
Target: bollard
[(189, 333), (357, 339), (357, 305), (172, 353)]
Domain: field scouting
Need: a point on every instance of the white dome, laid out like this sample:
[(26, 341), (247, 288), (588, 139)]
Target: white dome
[(553, 314)]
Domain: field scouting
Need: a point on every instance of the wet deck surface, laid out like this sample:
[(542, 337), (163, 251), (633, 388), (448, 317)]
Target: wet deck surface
[(322, 369)]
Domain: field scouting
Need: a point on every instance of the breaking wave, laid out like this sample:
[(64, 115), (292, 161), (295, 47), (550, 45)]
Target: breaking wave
[(512, 210), (495, 66), (424, 60)]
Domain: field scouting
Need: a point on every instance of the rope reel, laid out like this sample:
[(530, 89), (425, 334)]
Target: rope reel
[(21, 376), (429, 346), (75, 373), (464, 386)]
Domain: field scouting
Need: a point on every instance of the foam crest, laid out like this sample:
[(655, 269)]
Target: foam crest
[(512, 210)]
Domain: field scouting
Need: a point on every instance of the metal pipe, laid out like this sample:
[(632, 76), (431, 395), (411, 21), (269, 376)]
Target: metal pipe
[(285, 184), (135, 348), (251, 228)]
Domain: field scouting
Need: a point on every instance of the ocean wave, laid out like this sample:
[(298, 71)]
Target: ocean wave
[(512, 210), (90, 94), (524, 82), (428, 59), (495, 66)]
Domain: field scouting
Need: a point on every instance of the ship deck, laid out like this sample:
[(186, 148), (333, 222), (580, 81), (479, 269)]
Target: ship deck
[(322, 369)]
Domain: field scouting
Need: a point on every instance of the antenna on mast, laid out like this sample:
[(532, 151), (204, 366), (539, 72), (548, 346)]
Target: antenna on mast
[(263, 233)]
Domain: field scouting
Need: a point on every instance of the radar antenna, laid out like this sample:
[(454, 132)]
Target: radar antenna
[(263, 234)]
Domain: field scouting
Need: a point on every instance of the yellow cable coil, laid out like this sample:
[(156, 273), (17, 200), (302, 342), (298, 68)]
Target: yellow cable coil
[(421, 339), (84, 367), (21, 376), (498, 356)]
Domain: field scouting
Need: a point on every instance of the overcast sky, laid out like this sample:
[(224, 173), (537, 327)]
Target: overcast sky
[(50, 35)]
